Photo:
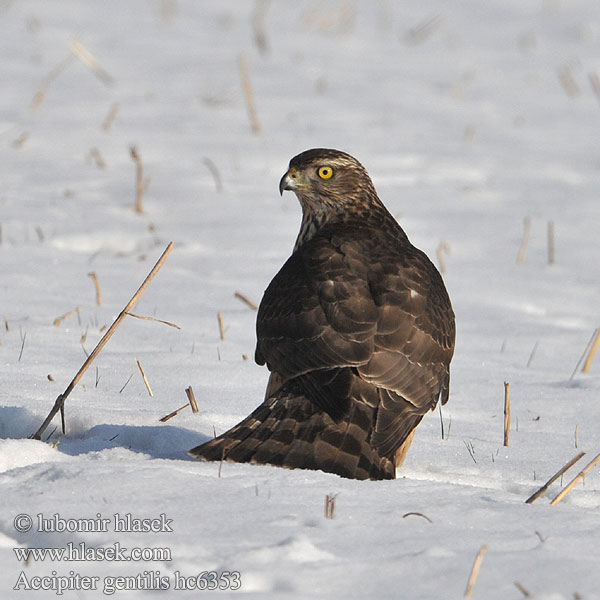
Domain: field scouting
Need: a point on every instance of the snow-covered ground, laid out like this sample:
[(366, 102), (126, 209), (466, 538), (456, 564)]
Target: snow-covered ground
[(470, 118)]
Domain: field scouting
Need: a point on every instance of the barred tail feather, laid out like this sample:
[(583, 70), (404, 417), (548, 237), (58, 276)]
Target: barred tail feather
[(285, 430)]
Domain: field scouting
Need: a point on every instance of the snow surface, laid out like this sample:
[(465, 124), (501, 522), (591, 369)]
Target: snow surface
[(458, 112)]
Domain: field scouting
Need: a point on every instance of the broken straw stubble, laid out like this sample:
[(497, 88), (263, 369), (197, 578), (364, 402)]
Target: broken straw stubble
[(61, 398)]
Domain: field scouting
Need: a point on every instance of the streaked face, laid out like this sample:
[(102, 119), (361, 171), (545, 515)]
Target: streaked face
[(325, 177)]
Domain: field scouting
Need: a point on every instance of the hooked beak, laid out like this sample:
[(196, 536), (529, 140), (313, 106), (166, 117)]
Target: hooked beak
[(284, 184), (289, 181)]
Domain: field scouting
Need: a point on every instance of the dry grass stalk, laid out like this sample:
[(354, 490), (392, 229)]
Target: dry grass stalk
[(540, 536), (442, 249), (445, 433), (249, 96), (23, 338), (60, 319), (171, 415), (125, 384), (506, 412), (221, 328), (52, 433), (210, 165), (110, 117), (60, 400), (146, 383), (221, 463), (39, 96), (590, 356), (259, 15), (525, 240), (522, 589), (330, 506), (551, 244), (575, 479), (470, 449), (586, 351), (552, 479), (141, 184), (416, 514), (191, 398), (243, 298), (94, 278), (595, 83), (475, 570), (84, 55), (420, 32), (20, 141), (144, 318), (532, 354), (97, 158), (567, 79)]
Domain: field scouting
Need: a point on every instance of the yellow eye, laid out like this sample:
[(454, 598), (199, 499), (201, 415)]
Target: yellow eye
[(325, 172)]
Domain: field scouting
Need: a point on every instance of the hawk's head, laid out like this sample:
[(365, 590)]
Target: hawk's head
[(323, 179)]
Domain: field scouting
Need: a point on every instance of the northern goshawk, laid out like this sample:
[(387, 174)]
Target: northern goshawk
[(356, 328)]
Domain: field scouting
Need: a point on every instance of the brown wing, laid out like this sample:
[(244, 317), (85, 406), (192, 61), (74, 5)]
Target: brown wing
[(363, 299)]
